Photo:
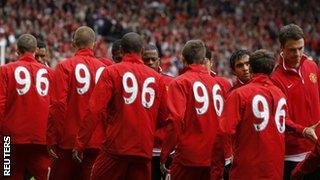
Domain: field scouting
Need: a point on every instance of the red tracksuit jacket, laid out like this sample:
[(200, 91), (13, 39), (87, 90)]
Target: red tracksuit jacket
[(162, 117), (133, 94), (259, 140), (302, 91), (75, 79), (25, 88), (194, 100), (257, 124)]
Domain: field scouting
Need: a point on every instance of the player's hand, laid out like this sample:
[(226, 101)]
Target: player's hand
[(52, 152), (163, 169), (310, 132), (77, 156)]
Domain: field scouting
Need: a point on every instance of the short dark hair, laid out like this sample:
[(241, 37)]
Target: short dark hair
[(262, 61), (208, 53), (150, 47), (237, 56), (131, 43), (27, 43), (194, 52), (290, 31), (116, 46), (84, 37)]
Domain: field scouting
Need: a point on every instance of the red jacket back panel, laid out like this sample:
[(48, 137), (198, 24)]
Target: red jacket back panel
[(25, 87)]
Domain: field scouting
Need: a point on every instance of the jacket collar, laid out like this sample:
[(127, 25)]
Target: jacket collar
[(287, 68), (27, 56), (195, 68), (85, 52), (261, 78), (132, 57)]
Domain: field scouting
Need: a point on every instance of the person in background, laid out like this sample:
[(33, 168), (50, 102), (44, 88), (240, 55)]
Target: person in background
[(116, 51), (25, 90), (298, 78), (150, 57), (134, 96), (75, 80)]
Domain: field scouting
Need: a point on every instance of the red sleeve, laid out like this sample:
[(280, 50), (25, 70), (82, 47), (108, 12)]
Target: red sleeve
[(162, 116), (58, 103), (310, 164), (231, 114), (97, 104), (231, 117), (176, 103), (218, 158), (3, 93), (291, 126)]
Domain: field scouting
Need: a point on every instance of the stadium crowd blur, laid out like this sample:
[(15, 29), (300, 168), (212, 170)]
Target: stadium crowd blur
[(224, 25)]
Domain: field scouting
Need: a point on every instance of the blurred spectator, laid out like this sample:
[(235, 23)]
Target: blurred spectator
[(224, 25)]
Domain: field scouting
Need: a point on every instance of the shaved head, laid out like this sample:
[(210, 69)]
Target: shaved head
[(27, 43), (84, 37), (131, 43)]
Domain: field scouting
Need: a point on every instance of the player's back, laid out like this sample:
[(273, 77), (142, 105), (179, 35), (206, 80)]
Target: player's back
[(136, 95), (259, 143), (76, 78), (27, 90), (195, 102)]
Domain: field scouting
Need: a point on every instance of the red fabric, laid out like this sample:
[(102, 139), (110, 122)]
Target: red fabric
[(257, 154), (66, 167), (179, 171), (31, 157), (302, 92), (111, 167), (192, 134), (106, 61), (24, 117), (68, 106), (226, 87), (130, 127), (161, 120), (310, 163)]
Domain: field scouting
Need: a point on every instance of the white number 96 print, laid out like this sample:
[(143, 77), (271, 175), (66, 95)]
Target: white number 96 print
[(23, 78), (218, 102), (133, 90)]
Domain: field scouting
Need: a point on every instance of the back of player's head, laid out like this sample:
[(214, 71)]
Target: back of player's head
[(131, 43), (26, 43), (116, 46), (150, 47), (84, 37), (239, 54), (290, 31), (262, 61), (194, 52)]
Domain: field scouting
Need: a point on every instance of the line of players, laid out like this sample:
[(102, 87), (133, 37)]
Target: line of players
[(103, 121)]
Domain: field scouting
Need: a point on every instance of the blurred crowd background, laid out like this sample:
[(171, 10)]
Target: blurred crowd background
[(224, 25)]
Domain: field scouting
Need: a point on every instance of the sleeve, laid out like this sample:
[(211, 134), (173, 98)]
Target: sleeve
[(218, 155), (3, 93), (230, 119), (231, 115), (310, 164), (58, 103), (162, 115), (291, 126), (176, 102), (99, 99)]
